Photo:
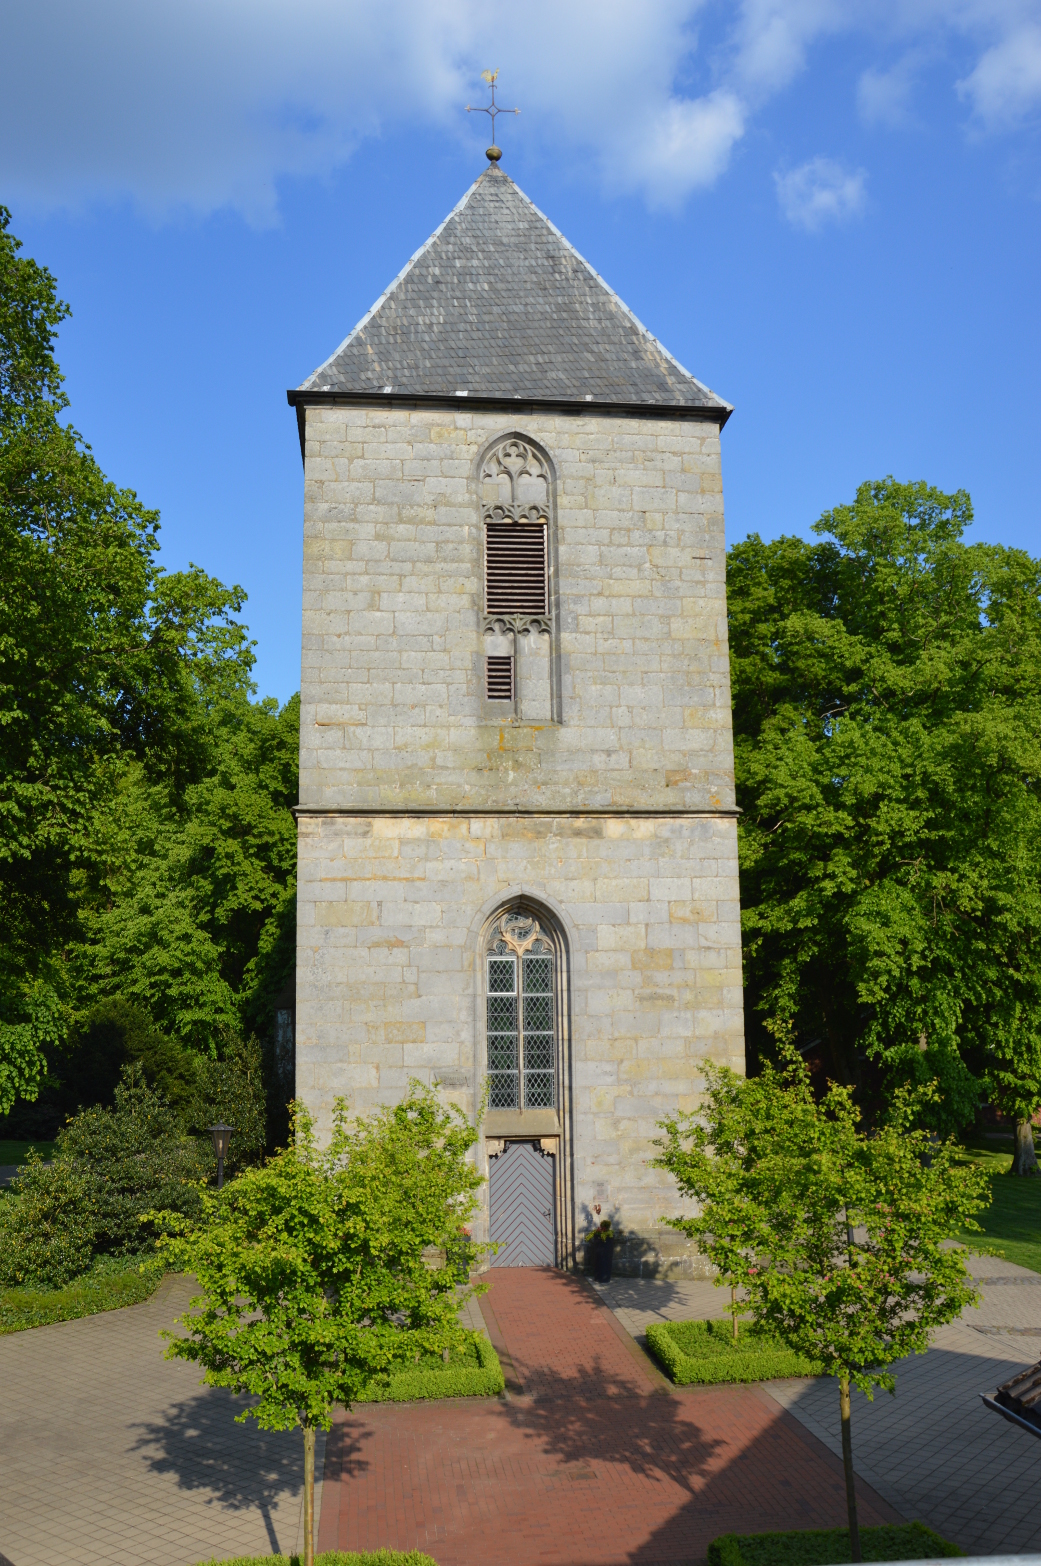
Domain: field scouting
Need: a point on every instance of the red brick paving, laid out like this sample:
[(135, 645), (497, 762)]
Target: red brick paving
[(593, 1466)]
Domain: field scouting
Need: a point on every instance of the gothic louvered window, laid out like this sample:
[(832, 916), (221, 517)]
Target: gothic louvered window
[(521, 1016), (499, 678), (515, 568), (517, 514)]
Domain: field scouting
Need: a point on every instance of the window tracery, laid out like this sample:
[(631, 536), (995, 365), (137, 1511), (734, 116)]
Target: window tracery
[(516, 488), (521, 1014)]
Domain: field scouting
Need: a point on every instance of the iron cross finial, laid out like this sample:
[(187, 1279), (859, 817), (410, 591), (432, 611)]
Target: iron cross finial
[(493, 153)]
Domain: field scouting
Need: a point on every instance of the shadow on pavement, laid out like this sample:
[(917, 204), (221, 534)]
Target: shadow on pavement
[(198, 1441)]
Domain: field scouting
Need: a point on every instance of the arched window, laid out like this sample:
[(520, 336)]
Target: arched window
[(516, 486), (522, 1044)]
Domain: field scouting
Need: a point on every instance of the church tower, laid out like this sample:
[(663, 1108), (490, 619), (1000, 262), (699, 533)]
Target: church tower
[(517, 835)]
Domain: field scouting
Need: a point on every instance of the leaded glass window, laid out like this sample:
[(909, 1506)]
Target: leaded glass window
[(521, 1016)]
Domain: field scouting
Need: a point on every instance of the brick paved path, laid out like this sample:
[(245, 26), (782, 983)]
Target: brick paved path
[(597, 1461)]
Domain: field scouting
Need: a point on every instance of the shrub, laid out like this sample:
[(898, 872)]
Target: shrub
[(829, 1546), (475, 1372), (704, 1353), (138, 1159), (47, 1225), (333, 1558)]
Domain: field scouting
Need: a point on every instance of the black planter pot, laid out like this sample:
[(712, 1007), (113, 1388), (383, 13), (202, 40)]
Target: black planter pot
[(603, 1255)]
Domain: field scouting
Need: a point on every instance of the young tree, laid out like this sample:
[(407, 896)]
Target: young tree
[(322, 1272), (838, 1238), (887, 718)]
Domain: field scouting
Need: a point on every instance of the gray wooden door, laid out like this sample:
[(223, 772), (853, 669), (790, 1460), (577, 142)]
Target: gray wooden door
[(522, 1206)]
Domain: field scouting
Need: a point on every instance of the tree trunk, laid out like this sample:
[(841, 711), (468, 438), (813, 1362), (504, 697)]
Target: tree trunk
[(309, 1495), (733, 1308), (1024, 1159), (847, 1463)]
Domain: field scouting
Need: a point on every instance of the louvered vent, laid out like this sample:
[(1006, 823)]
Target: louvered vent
[(498, 679), (515, 568)]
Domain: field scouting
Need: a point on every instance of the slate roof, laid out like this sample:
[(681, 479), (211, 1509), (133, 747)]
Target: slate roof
[(497, 304)]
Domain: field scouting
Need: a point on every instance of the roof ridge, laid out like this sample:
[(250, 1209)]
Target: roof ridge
[(619, 301), (308, 385)]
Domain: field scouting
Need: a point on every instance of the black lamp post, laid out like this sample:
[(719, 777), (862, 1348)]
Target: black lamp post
[(221, 1135)]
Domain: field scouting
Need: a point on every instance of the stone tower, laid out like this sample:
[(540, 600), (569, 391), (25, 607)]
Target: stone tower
[(517, 839)]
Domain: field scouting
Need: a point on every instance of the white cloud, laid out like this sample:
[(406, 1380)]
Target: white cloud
[(1006, 84), (884, 97), (195, 105), (819, 192)]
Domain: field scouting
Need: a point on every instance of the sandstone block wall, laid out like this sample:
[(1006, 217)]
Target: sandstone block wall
[(421, 816)]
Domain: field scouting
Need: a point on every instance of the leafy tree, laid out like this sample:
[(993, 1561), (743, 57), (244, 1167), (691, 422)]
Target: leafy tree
[(103, 657), (315, 1270), (185, 905), (839, 1239), (887, 715)]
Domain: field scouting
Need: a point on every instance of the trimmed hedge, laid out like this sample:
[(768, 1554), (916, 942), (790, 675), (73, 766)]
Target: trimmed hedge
[(702, 1353), (332, 1558), (829, 1546), (108, 1286), (477, 1373)]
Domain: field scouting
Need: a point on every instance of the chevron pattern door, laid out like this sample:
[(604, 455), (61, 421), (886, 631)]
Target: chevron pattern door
[(522, 1206)]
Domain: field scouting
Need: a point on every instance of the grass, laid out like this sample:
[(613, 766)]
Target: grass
[(1012, 1224), (704, 1353), (829, 1546), (332, 1558), (109, 1285), (473, 1371), (18, 1152)]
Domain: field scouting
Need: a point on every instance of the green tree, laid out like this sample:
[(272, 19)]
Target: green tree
[(839, 1239), (102, 657), (184, 907), (887, 717), (319, 1272)]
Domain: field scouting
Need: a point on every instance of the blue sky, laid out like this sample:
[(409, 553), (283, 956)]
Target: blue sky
[(829, 212)]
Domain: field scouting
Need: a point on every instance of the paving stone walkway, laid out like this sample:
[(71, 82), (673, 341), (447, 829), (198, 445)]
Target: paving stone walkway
[(111, 1455), (595, 1460)]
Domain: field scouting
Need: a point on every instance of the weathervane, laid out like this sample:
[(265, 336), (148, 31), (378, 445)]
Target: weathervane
[(494, 153)]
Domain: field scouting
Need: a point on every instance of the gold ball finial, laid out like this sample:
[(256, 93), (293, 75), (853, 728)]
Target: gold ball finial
[(493, 154)]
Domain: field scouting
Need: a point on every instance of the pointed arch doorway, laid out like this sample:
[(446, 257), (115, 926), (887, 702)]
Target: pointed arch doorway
[(527, 1136)]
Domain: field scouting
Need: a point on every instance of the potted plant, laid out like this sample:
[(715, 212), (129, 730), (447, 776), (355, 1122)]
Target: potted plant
[(600, 1243)]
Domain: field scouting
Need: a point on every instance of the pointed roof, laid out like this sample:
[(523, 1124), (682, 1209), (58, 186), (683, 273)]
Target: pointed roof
[(497, 305)]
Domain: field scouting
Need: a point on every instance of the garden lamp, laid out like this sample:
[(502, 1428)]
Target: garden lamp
[(221, 1135)]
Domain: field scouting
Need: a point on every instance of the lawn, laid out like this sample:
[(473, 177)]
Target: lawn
[(18, 1152), (1012, 1224), (109, 1285)]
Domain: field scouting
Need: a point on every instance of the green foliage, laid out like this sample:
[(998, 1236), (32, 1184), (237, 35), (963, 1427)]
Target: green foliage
[(188, 909), (112, 676), (887, 715), (473, 1371), (48, 1223), (333, 1558), (108, 1285), (33, 1022), (313, 1269), (114, 1034), (704, 1353), (830, 1546), (839, 1239), (137, 1158)]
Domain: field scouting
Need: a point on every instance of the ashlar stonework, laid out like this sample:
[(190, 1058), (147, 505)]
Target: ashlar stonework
[(530, 900)]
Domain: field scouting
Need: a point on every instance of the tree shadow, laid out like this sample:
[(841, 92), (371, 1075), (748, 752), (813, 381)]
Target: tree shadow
[(241, 1466)]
